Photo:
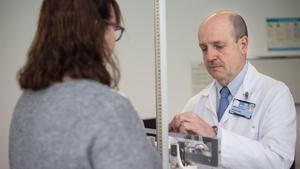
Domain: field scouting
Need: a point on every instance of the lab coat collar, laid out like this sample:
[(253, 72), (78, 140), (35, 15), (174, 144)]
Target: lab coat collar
[(207, 90), (248, 85)]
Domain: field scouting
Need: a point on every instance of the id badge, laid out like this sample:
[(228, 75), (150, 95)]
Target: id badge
[(242, 108)]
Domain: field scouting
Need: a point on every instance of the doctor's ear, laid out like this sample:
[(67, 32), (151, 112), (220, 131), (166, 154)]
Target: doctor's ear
[(243, 44)]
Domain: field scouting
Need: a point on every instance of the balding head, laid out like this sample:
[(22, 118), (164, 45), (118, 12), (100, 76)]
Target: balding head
[(238, 24)]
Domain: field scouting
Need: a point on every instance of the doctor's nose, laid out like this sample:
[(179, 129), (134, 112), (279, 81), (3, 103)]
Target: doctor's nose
[(210, 54)]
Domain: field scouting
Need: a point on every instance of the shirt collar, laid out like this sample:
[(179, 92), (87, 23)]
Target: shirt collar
[(235, 84)]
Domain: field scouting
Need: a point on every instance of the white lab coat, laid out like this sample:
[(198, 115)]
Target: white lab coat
[(268, 139)]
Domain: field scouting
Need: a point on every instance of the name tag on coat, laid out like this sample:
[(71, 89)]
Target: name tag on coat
[(242, 108)]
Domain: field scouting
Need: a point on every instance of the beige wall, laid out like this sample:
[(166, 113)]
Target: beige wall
[(17, 20)]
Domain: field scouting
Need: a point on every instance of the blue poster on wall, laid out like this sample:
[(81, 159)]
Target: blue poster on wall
[(283, 34)]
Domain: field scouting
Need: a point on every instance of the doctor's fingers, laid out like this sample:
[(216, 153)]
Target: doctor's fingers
[(172, 127), (190, 117), (176, 122), (193, 124), (189, 128), (184, 117), (199, 129), (183, 130)]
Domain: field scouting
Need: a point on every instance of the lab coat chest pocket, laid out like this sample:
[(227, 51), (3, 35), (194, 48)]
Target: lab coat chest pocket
[(245, 127)]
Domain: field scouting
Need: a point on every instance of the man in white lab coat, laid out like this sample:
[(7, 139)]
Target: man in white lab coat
[(255, 115)]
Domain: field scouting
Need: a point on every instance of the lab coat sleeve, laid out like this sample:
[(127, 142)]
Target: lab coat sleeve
[(275, 147)]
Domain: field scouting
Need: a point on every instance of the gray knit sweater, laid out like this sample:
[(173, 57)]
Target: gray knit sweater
[(78, 124)]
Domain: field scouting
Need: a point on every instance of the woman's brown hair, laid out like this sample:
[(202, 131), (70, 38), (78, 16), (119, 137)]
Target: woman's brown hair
[(69, 41)]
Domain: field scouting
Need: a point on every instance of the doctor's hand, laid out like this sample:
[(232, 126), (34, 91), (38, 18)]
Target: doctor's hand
[(191, 123)]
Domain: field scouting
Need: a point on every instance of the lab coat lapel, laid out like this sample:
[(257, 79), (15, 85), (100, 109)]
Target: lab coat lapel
[(247, 86), (210, 107)]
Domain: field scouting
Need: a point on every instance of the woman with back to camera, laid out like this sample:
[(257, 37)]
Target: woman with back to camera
[(68, 116)]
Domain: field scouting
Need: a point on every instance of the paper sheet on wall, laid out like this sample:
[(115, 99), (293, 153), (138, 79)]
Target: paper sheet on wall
[(283, 34), (200, 77)]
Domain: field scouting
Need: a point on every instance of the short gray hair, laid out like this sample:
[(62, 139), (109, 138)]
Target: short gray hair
[(239, 26)]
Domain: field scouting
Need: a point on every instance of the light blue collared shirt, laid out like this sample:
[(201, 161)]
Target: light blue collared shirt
[(233, 86)]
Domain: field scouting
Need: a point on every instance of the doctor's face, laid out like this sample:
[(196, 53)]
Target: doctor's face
[(223, 55)]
